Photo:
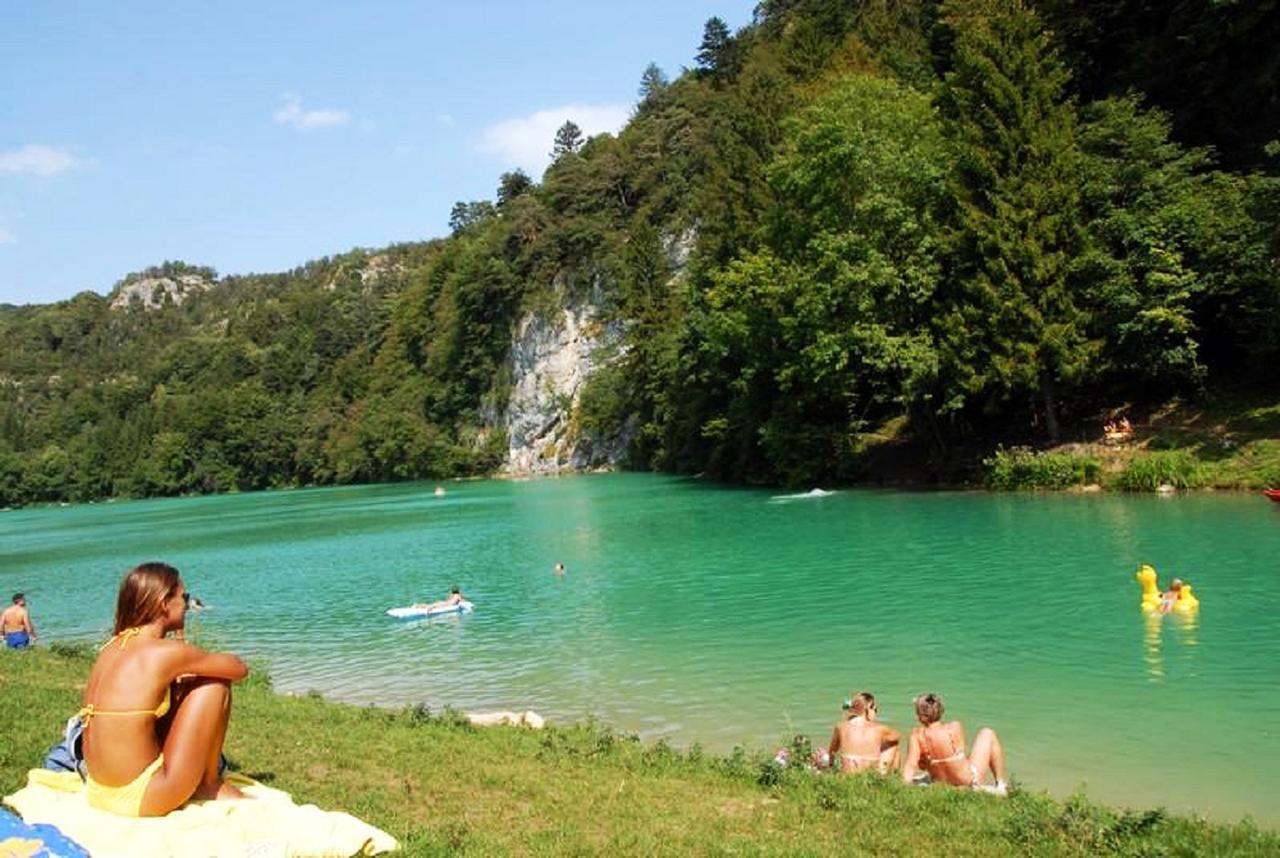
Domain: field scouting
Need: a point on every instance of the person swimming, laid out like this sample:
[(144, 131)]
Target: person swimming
[(860, 742), (939, 749)]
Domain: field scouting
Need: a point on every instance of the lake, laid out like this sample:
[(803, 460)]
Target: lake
[(698, 613)]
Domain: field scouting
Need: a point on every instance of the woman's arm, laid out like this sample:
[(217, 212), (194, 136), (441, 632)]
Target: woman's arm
[(190, 659), (912, 764), (889, 737)]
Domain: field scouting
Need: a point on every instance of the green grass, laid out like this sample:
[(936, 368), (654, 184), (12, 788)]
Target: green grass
[(444, 787)]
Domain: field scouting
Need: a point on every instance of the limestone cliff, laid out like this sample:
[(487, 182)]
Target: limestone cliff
[(552, 355)]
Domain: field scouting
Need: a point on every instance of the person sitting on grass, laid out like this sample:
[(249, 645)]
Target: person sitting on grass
[(156, 710), (454, 597), (939, 749), (861, 741)]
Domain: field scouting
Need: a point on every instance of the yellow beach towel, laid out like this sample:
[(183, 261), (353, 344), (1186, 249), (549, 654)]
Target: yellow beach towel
[(269, 824)]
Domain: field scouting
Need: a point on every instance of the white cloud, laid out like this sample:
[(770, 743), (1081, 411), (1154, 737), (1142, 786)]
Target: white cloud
[(292, 113), (525, 142), (38, 160)]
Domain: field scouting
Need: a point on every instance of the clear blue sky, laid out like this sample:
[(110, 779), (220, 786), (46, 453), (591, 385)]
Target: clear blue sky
[(256, 136)]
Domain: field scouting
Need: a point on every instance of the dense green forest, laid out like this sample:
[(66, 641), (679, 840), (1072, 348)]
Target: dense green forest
[(975, 221)]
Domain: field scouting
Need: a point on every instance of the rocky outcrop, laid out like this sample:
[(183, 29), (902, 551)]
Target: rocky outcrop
[(155, 292), (552, 356)]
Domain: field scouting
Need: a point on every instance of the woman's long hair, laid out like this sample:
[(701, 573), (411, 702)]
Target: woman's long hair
[(143, 593)]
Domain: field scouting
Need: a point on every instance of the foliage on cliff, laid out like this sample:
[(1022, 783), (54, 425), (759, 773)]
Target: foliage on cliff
[(843, 215)]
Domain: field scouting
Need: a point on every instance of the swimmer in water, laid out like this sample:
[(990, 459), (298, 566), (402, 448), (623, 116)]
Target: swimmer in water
[(1169, 597)]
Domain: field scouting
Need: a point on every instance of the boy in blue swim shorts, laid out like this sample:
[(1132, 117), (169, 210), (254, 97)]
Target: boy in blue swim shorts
[(15, 622)]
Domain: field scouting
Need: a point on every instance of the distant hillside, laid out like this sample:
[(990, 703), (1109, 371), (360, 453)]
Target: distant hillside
[(946, 218)]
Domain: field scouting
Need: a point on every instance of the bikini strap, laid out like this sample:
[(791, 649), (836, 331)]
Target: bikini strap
[(123, 637)]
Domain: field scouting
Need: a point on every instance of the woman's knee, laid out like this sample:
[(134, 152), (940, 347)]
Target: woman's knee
[(211, 693)]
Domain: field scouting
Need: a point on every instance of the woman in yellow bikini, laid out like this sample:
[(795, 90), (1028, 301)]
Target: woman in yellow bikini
[(939, 749), (156, 710)]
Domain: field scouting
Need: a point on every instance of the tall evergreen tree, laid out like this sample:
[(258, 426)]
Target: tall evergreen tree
[(714, 50), (568, 140), (1019, 324), (652, 83)]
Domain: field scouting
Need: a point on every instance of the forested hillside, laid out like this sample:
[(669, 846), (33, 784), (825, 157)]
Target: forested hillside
[(972, 221)]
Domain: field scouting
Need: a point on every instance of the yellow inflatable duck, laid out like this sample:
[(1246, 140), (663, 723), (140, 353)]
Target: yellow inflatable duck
[(1146, 576), (1187, 603)]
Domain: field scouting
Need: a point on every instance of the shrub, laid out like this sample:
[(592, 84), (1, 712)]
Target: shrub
[(1022, 468), (1177, 468)]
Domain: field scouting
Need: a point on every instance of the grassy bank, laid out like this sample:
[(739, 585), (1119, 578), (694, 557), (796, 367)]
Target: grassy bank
[(444, 787), (1227, 444)]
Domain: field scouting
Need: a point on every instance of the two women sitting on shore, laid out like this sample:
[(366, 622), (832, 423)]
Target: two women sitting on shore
[(934, 747), (156, 709)]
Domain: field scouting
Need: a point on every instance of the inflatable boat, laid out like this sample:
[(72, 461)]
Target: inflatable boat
[(1274, 494), (414, 612)]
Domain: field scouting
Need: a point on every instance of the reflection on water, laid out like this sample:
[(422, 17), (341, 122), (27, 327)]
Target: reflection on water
[(1184, 628), (1151, 646), (1186, 624)]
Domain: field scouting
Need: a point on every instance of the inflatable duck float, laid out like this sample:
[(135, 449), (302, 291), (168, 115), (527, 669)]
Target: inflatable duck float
[(1152, 598)]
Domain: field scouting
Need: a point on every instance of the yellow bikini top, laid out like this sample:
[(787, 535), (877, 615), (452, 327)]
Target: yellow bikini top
[(90, 711)]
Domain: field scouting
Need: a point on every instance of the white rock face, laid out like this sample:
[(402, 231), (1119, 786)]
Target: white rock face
[(552, 356), (154, 292), (551, 359)]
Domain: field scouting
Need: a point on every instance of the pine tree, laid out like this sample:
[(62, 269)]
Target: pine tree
[(714, 50), (1019, 321), (568, 140), (652, 83)]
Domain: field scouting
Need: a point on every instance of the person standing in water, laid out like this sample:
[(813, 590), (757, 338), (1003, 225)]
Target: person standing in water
[(558, 569), (861, 741), (939, 749), (15, 622)]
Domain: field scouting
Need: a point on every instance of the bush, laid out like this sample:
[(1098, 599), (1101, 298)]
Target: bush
[(1177, 468), (1022, 468)]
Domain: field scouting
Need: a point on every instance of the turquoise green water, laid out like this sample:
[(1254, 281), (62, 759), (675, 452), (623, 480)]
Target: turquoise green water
[(723, 616)]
